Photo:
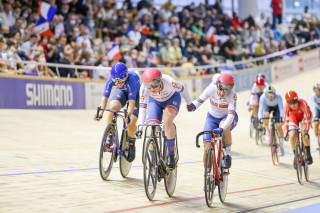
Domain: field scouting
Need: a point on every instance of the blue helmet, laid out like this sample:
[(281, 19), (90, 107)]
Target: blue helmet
[(119, 71)]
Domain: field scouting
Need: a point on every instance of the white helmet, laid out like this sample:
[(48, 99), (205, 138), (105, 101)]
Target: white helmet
[(215, 78)]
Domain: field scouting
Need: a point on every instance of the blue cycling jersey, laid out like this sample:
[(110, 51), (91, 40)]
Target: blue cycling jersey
[(315, 102), (131, 86), (264, 101)]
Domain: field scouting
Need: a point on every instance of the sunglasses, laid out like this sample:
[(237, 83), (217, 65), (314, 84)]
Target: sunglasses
[(224, 87), (270, 95), (119, 80), (292, 102), (152, 84)]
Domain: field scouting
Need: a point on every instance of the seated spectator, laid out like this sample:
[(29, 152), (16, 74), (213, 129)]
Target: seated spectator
[(164, 52), (272, 47), (235, 21), (228, 49), (245, 64), (260, 20), (67, 59), (245, 33), (11, 54), (8, 17), (303, 31), (256, 34), (307, 18), (277, 34), (175, 53), (188, 68), (27, 46), (290, 37), (142, 60), (102, 74), (267, 33), (206, 57), (135, 35)]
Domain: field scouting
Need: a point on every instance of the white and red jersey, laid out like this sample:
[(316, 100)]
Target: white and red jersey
[(219, 107), (168, 87), (292, 117), (255, 90)]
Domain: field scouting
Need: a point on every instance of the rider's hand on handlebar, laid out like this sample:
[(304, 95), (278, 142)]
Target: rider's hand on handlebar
[(286, 137), (306, 134), (138, 134), (97, 117), (218, 131)]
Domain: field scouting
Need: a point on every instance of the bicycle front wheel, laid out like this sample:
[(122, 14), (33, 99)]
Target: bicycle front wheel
[(223, 184), (150, 171), (125, 165), (274, 147), (209, 177), (107, 154), (298, 161), (170, 178), (251, 127), (306, 166)]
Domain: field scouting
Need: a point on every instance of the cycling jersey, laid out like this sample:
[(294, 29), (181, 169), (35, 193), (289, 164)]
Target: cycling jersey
[(169, 87), (131, 86), (315, 103), (219, 107), (255, 93), (264, 103), (292, 118)]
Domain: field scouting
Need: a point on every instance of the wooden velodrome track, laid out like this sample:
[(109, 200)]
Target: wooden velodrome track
[(49, 163)]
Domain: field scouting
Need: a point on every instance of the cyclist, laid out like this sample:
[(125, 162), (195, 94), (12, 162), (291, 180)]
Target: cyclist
[(271, 101), (127, 90), (160, 100), (222, 116), (297, 111), (256, 92), (315, 102)]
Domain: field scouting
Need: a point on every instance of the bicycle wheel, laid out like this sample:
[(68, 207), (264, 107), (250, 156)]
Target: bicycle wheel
[(223, 184), (251, 126), (107, 154), (257, 136), (298, 161), (209, 177), (306, 166), (170, 178), (274, 147), (125, 165), (150, 171)]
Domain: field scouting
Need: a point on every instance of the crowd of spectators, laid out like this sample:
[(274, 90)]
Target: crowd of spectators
[(84, 31)]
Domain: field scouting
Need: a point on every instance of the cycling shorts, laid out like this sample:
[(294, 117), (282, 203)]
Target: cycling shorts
[(295, 119), (275, 110), (213, 123), (316, 116), (256, 97), (122, 96), (155, 108)]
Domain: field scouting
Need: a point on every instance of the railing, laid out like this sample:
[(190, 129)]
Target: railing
[(175, 71)]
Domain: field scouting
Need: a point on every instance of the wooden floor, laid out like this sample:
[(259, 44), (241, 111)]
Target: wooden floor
[(49, 163)]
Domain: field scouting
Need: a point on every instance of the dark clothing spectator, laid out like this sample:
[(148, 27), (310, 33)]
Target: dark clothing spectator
[(218, 7), (75, 7), (291, 39), (276, 6), (65, 72), (228, 50)]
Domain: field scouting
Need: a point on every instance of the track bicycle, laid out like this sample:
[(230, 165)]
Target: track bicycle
[(255, 130), (300, 155), (214, 173), (154, 159), (110, 154), (274, 144)]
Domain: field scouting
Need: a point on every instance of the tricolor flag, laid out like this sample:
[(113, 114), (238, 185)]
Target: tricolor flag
[(46, 10), (42, 28), (210, 33), (114, 52)]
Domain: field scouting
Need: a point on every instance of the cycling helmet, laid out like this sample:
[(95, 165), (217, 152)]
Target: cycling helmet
[(225, 82), (270, 91), (261, 76), (291, 96), (119, 73), (260, 81), (151, 77), (316, 87), (215, 78)]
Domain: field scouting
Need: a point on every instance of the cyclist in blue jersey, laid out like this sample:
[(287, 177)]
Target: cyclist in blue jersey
[(271, 101), (315, 102), (127, 90)]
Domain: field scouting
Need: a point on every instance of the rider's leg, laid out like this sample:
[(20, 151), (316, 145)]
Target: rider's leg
[(132, 140), (168, 116), (280, 135), (306, 143), (255, 106), (210, 124), (316, 132), (266, 125), (114, 105)]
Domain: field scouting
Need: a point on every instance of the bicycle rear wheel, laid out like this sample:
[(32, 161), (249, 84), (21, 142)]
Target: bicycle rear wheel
[(306, 166), (251, 126), (150, 171), (209, 177), (257, 136), (298, 161), (223, 184), (107, 154), (170, 178), (125, 165), (274, 147)]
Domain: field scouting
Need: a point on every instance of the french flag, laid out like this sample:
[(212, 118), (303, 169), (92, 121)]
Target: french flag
[(114, 52), (42, 28), (210, 33), (46, 10)]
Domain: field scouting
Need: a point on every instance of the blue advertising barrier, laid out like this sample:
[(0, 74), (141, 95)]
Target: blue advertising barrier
[(16, 93)]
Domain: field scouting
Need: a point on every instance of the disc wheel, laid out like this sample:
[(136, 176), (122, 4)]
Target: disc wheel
[(107, 154)]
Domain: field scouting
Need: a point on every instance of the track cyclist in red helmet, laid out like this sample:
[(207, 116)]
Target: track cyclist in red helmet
[(127, 90), (160, 99), (222, 116), (297, 111), (256, 92)]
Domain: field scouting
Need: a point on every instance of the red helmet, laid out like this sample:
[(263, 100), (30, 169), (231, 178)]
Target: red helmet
[(225, 82), (260, 81), (291, 96), (151, 77)]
